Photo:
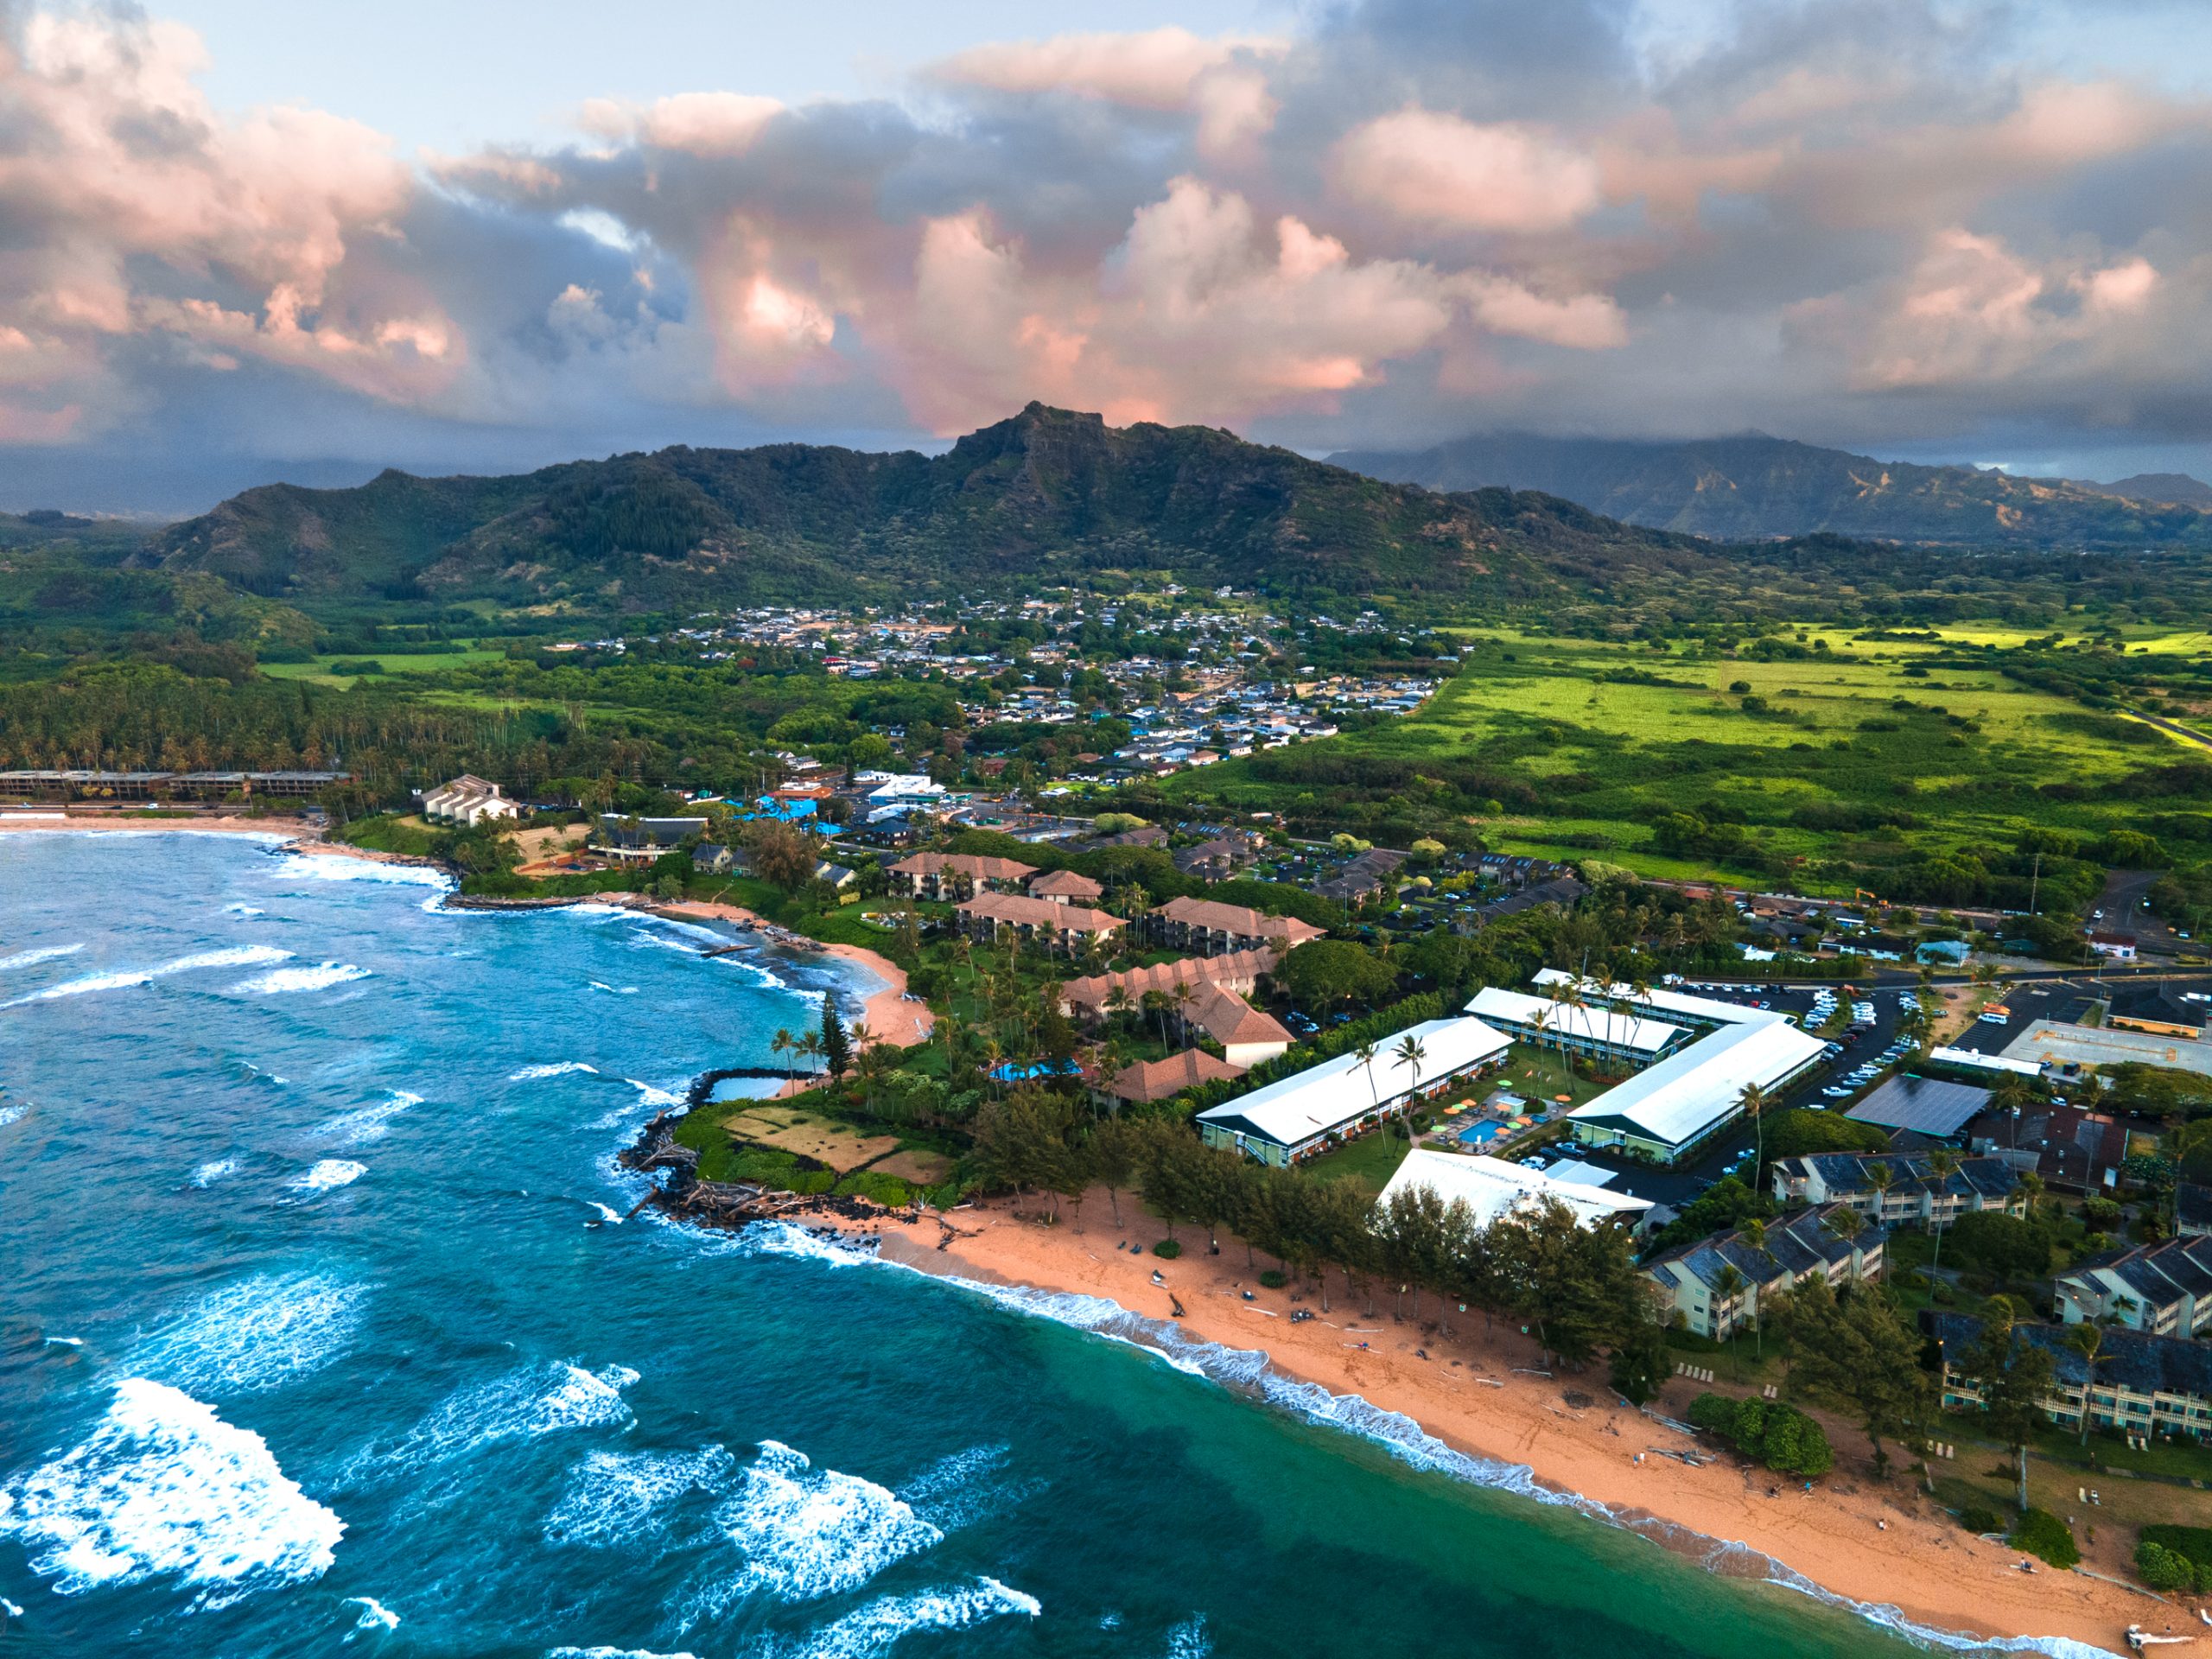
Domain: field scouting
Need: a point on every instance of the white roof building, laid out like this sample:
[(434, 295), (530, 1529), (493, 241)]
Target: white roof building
[(1671, 1106), (1491, 1187), (1585, 1027), (1292, 1116)]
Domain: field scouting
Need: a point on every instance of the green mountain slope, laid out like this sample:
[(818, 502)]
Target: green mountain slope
[(1045, 495), (1754, 487)]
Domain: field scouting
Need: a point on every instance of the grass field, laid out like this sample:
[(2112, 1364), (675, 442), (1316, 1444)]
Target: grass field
[(1854, 752), (318, 670)]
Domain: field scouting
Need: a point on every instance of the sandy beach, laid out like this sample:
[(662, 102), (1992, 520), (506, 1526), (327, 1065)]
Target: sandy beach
[(888, 1015), (1876, 1542)]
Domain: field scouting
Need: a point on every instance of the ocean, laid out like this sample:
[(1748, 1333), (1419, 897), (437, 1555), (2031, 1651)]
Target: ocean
[(322, 1333)]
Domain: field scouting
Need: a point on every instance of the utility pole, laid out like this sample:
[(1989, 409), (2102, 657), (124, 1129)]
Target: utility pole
[(2034, 881)]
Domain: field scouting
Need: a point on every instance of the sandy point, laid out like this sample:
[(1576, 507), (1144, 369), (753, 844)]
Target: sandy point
[(1484, 1389)]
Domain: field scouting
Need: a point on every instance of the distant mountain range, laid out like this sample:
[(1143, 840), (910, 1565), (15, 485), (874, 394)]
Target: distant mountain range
[(1754, 487), (1046, 495)]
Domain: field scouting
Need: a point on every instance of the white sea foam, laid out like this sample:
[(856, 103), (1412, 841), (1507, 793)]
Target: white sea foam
[(214, 1170), (320, 978), (375, 1615), (243, 955), (243, 910), (808, 1533), (44, 953), (608, 1212), (163, 1488), (10, 1608), (956, 1491), (652, 1094), (371, 1123), (520, 1404), (1189, 1639), (11, 1114), (261, 1332), (614, 1499), (328, 1172), (324, 867), (873, 1628), (552, 1069), (1250, 1369), (613, 990), (612, 1653)]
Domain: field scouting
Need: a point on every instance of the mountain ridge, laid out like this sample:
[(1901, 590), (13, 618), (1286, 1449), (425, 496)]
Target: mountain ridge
[(1045, 495), (1751, 487)]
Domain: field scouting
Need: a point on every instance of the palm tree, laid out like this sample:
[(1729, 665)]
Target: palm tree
[(1881, 1178), (1753, 1233), (1184, 997), (1940, 1162), (2031, 1190), (1410, 1055), (1365, 1054), (1754, 1101), (785, 1043), (2088, 1340), (1117, 1001), (1730, 1284), (810, 1046)]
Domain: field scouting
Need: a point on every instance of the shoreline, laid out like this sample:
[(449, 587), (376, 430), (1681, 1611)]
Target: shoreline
[(887, 1011), (1885, 1551)]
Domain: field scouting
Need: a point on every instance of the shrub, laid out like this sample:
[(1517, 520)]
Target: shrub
[(2161, 1569), (1274, 1278), (1980, 1519), (2043, 1535), (1768, 1431), (1714, 1411), (1167, 1248), (887, 1190)]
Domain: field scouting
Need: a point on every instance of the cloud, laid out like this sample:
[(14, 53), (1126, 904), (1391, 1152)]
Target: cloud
[(1844, 222), (1441, 170)]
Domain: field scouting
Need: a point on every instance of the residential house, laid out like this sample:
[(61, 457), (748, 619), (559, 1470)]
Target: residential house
[(1239, 971), (1065, 888), (1151, 1080), (1247, 1037), (948, 875), (2070, 1147), (2193, 1210), (2138, 1384), (2114, 947), (2165, 1288), (643, 840), (1206, 928), (993, 917), (1716, 1284), (1220, 858), (1361, 877), (467, 800), (1916, 1193)]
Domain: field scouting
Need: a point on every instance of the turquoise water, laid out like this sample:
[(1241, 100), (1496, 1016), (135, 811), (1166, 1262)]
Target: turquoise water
[(319, 1335)]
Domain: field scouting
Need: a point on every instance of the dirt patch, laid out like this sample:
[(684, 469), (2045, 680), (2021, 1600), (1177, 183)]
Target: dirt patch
[(826, 1142), (922, 1168)]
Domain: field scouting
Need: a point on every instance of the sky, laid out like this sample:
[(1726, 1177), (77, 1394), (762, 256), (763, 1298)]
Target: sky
[(241, 241)]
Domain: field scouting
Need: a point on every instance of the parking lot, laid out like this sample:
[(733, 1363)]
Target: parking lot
[(1731, 1152)]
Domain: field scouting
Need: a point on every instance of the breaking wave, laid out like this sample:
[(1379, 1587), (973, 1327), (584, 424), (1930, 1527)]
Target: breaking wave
[(244, 956), (259, 1334), (614, 1499), (163, 1488), (11, 1114), (808, 1533), (873, 1628), (375, 1615), (554, 1069), (44, 953), (359, 1128), (214, 1170), (325, 866), (520, 1404), (328, 1172), (319, 977)]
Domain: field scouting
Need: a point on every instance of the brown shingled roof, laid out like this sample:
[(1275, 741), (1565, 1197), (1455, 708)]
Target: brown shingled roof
[(1158, 1079)]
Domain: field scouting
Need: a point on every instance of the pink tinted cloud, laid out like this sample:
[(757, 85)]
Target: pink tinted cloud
[(1430, 167)]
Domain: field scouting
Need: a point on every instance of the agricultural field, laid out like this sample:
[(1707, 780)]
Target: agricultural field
[(338, 671), (1854, 755)]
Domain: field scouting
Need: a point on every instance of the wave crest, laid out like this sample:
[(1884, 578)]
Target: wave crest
[(163, 1488)]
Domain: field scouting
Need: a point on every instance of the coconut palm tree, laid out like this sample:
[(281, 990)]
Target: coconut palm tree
[(810, 1047), (1729, 1284), (1881, 1178), (2088, 1341), (1365, 1055), (1753, 1233), (783, 1044), (1184, 996), (1753, 1100), (1941, 1163), (1411, 1055)]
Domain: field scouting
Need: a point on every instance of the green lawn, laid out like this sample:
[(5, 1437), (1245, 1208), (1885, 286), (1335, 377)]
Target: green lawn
[(393, 662), (1370, 1161)]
